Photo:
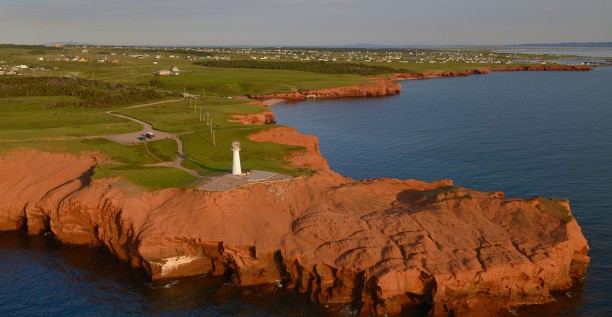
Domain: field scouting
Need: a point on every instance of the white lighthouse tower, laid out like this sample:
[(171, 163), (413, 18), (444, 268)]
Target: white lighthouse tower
[(236, 170)]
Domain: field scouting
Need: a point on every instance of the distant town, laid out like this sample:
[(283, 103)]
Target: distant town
[(384, 57)]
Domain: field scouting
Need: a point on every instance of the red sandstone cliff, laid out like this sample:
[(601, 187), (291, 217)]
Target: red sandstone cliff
[(379, 87), (265, 117), (457, 73), (388, 86), (539, 67), (383, 244), (486, 70)]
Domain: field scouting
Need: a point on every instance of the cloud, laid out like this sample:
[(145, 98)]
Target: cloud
[(208, 22)]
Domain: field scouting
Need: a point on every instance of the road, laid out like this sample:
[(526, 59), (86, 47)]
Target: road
[(146, 127)]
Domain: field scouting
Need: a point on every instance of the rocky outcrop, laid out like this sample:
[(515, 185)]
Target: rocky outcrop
[(310, 158), (33, 183), (383, 245), (265, 117), (379, 87)]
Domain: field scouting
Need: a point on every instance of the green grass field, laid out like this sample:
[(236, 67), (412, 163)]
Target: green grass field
[(126, 161), (151, 177), (179, 117), (193, 78), (32, 117), (205, 157), (165, 149), (34, 122)]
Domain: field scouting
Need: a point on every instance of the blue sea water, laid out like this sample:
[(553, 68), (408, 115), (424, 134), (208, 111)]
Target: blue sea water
[(524, 133), (39, 277)]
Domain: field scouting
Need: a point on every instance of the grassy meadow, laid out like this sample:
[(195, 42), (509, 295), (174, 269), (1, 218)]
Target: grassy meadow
[(205, 157), (68, 118), (35, 117)]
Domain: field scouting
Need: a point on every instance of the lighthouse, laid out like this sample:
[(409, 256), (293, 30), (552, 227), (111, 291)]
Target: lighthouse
[(236, 170)]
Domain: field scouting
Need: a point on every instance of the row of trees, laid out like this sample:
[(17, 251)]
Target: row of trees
[(185, 52), (32, 47), (308, 66), (91, 94)]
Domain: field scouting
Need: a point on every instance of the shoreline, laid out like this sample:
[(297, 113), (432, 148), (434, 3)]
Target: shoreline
[(388, 85), (177, 233)]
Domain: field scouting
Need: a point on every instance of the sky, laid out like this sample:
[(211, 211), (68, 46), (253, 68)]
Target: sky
[(304, 22)]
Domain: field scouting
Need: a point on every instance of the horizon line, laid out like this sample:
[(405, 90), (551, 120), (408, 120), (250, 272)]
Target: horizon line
[(354, 45)]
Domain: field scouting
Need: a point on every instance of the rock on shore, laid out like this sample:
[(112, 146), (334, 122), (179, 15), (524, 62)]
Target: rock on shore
[(381, 244)]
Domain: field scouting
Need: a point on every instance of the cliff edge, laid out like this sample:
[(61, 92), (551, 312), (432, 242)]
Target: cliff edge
[(379, 87), (383, 245), (384, 86)]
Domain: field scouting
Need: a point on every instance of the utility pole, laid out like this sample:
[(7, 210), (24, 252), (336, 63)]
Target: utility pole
[(213, 137)]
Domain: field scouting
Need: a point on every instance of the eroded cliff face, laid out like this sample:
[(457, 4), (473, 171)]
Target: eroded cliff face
[(540, 67), (377, 87), (457, 73), (265, 117), (388, 86), (382, 244), (486, 70)]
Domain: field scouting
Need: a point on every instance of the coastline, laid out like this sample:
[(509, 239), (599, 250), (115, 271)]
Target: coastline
[(383, 86), (322, 206)]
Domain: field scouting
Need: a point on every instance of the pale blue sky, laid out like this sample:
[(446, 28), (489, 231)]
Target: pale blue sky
[(305, 22)]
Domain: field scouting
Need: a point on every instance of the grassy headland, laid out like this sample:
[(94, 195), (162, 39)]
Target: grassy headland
[(56, 99)]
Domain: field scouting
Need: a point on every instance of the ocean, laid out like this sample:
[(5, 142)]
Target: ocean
[(525, 133)]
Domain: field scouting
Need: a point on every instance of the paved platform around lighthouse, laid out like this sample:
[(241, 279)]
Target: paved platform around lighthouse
[(253, 176), (228, 181)]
